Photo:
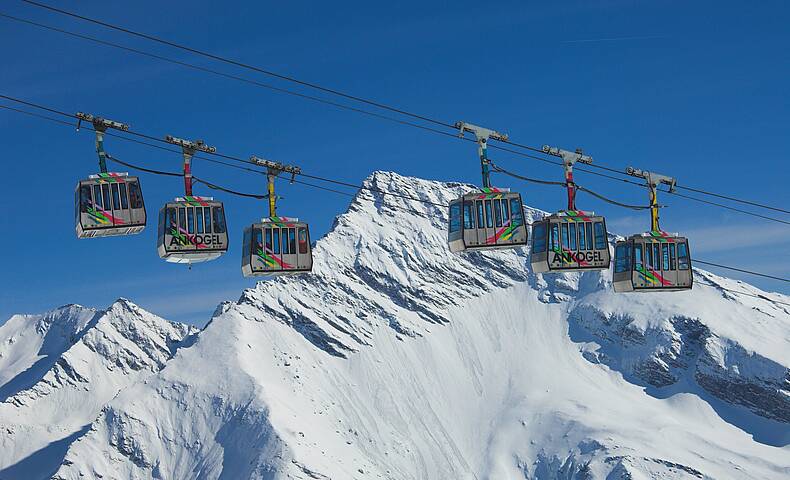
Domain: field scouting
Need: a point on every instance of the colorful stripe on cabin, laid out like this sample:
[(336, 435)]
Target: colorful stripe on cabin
[(110, 177), (103, 217), (505, 233), (195, 201), (269, 259), (662, 236), (578, 216), (281, 222), (651, 276)]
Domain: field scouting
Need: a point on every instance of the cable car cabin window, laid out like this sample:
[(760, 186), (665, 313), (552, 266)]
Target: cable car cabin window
[(683, 256), (207, 219), (672, 256), (97, 196), (665, 257), (489, 219), (498, 213), (515, 212), (85, 198), (622, 258), (588, 227), (182, 219), (268, 247), (258, 243), (116, 198), (505, 213), (105, 190), (538, 237), (135, 195), (285, 241), (469, 218), (582, 239), (572, 236), (600, 236), (124, 196), (638, 264), (219, 220), (190, 220), (656, 256), (564, 235), (455, 217), (303, 240), (172, 219), (292, 240), (276, 240), (555, 237), (648, 256), (199, 218), (480, 221)]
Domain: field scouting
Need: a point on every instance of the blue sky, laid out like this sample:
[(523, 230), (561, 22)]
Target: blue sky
[(698, 91)]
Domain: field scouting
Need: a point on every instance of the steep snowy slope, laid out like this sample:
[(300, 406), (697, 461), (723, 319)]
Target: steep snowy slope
[(59, 369), (397, 359)]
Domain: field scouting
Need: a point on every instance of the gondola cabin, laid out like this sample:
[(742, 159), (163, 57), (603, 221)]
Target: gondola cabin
[(109, 204), (652, 262), (488, 220), (192, 230), (569, 240), (276, 246)]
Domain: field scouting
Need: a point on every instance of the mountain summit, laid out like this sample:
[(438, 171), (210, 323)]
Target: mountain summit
[(397, 359)]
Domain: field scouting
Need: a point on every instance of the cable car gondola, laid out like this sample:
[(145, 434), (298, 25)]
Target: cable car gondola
[(108, 203), (492, 218), (192, 229), (569, 240), (654, 261), (277, 245)]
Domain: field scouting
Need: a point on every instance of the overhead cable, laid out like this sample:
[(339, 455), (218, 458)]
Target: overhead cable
[(317, 87), (374, 190)]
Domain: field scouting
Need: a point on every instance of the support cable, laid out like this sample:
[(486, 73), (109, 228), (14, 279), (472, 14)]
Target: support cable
[(314, 86), (373, 190), (750, 272)]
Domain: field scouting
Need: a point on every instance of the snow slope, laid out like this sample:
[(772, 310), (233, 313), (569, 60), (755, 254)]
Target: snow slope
[(58, 370), (398, 359)]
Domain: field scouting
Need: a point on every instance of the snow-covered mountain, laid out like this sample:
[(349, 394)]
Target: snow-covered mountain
[(397, 359), (58, 370)]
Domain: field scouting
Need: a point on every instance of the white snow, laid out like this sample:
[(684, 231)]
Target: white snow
[(397, 359)]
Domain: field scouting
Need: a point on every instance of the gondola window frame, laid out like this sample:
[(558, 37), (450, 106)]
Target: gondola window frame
[(684, 261), (516, 212), (572, 236), (303, 240), (497, 213), (600, 235), (469, 219), (135, 195), (622, 259), (455, 217), (219, 220), (292, 240), (539, 238)]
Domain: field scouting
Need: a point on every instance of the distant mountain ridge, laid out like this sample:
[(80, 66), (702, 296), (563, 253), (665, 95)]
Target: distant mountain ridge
[(58, 370), (397, 359)]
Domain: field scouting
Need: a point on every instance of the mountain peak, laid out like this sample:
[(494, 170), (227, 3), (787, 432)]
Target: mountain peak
[(398, 359)]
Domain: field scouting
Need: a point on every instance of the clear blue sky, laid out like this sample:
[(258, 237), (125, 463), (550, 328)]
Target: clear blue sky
[(693, 89)]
